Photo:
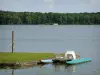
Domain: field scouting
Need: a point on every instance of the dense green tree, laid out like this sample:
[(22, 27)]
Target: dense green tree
[(8, 17)]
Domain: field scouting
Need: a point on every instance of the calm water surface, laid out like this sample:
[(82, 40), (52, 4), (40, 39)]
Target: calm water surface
[(83, 39)]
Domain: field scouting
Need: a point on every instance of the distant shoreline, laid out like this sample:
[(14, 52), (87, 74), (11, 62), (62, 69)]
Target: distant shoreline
[(50, 18), (47, 24)]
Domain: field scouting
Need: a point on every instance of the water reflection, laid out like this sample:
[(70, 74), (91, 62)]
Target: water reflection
[(50, 68), (12, 72), (59, 67), (68, 68)]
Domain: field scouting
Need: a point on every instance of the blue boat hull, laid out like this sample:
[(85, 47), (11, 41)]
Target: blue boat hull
[(76, 61), (47, 61)]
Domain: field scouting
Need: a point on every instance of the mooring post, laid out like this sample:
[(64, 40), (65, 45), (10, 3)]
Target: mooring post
[(12, 72), (12, 41)]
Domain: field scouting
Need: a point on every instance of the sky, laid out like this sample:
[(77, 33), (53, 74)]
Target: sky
[(62, 6)]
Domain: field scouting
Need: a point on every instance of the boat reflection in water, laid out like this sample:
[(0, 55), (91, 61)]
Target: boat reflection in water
[(60, 67), (48, 68), (68, 68), (71, 68)]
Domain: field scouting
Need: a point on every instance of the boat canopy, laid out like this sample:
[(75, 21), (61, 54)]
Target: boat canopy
[(70, 53)]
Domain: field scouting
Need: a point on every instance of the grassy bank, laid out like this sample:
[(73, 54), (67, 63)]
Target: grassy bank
[(23, 57)]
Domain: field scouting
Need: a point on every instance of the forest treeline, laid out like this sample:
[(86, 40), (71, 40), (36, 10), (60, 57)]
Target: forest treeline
[(8, 17)]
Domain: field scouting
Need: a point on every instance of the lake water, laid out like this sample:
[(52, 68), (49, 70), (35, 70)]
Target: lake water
[(84, 39)]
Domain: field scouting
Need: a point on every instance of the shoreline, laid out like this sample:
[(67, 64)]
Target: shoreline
[(16, 65), (22, 59)]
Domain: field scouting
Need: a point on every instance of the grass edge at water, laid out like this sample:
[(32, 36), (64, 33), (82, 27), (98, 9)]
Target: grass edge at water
[(6, 57)]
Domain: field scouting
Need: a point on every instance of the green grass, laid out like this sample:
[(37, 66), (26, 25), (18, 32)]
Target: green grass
[(23, 57)]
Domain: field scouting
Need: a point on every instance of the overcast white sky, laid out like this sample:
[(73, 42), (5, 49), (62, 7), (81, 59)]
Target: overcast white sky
[(51, 5)]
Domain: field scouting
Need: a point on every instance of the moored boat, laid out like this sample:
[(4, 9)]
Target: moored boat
[(45, 61), (77, 61), (70, 58)]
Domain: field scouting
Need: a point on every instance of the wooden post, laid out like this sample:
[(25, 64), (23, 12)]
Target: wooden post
[(12, 41), (12, 72)]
